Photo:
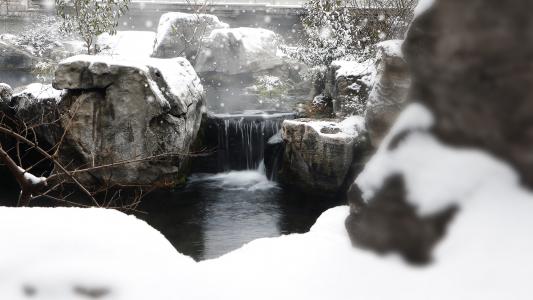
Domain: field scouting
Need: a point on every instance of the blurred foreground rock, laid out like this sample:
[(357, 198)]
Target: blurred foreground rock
[(470, 69), (389, 93)]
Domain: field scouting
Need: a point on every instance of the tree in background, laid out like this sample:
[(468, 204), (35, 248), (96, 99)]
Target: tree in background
[(339, 28), (90, 18)]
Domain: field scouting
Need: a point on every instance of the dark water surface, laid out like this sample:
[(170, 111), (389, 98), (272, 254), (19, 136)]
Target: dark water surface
[(217, 213)]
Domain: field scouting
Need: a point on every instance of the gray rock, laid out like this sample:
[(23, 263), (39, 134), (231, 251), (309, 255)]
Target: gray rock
[(180, 34), (389, 94), (37, 105), (15, 58), (348, 84), (124, 110), (6, 92), (322, 156), (238, 51)]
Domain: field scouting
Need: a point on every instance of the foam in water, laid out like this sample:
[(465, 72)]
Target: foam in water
[(249, 180)]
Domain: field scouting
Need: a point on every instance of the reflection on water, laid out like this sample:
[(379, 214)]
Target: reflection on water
[(217, 213)]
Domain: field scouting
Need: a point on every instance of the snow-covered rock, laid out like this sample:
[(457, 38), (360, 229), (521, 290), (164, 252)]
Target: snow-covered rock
[(348, 84), (36, 104), (127, 44), (472, 107), (472, 77), (322, 156), (239, 50), (180, 34), (389, 93), (130, 110)]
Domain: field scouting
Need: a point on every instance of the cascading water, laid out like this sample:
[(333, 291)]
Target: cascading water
[(242, 138)]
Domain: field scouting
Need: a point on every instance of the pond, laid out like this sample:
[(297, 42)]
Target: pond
[(217, 213)]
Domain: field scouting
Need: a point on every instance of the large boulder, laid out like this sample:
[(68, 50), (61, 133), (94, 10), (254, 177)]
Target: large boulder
[(322, 156), (239, 51), (473, 104), (180, 34), (117, 110), (129, 44), (468, 67), (389, 93)]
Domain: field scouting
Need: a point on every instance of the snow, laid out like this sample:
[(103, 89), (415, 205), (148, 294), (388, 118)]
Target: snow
[(34, 179), (390, 48), (177, 72), (56, 252), (40, 92), (423, 5), (486, 255), (131, 44), (349, 128), (348, 68), (436, 176)]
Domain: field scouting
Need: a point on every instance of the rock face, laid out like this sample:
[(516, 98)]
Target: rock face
[(389, 94), (129, 44), (180, 34), (13, 58), (469, 73), (238, 51), (321, 156), (123, 110), (348, 84)]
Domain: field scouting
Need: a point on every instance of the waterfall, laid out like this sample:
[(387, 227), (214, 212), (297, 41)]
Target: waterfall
[(242, 138)]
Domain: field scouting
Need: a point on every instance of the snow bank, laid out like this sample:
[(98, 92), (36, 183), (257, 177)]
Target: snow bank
[(69, 253), (58, 253)]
